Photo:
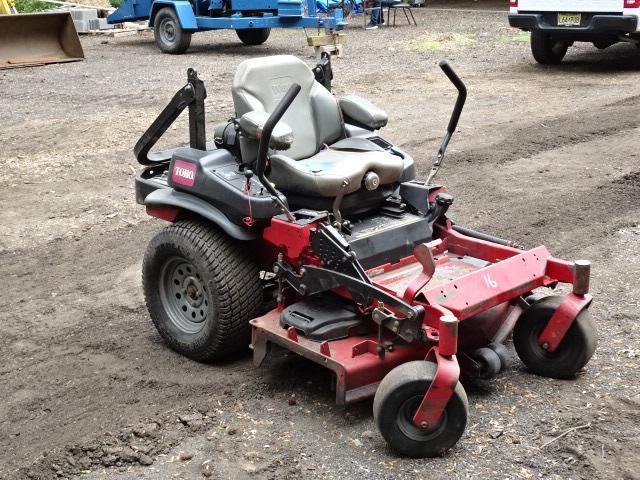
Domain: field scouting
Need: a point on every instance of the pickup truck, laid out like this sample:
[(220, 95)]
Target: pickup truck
[(556, 24)]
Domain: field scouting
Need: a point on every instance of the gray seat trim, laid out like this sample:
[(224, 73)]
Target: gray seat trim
[(363, 111), (323, 174)]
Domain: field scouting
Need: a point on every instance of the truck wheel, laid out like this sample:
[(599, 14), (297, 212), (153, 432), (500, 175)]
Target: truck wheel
[(201, 290), (253, 36), (396, 401), (170, 37), (546, 50), (572, 354)]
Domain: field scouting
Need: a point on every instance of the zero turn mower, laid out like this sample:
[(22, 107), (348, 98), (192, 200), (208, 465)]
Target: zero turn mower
[(300, 209)]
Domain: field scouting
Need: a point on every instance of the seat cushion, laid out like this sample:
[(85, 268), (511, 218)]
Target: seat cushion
[(323, 174), (314, 115)]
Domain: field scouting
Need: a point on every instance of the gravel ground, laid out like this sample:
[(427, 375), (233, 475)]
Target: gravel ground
[(543, 155)]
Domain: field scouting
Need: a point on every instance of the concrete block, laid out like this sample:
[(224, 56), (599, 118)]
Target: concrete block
[(84, 14), (103, 25), (81, 26)]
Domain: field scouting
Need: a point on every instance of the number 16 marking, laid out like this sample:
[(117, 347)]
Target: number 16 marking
[(489, 281)]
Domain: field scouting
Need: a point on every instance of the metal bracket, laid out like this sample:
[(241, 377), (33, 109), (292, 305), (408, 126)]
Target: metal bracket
[(335, 252), (424, 256), (313, 279), (561, 320), (440, 391), (323, 72), (337, 203)]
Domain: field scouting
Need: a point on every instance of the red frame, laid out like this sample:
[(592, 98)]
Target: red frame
[(454, 278)]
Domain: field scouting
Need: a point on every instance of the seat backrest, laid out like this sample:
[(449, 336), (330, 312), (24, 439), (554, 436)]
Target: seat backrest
[(314, 115)]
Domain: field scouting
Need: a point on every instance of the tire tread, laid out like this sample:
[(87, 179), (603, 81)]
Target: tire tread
[(234, 275)]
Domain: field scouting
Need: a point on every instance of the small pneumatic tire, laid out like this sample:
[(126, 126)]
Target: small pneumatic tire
[(169, 34), (502, 352), (253, 36), (574, 351), (546, 50), (396, 401), (489, 362), (201, 290)]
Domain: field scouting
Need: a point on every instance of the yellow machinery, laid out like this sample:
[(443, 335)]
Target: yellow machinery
[(37, 38), (7, 7)]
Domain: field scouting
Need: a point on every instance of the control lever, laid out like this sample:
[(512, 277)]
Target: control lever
[(263, 146), (453, 121)]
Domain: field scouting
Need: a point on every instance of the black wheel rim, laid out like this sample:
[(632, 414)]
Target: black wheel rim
[(539, 353), (411, 430), (184, 295), (168, 30)]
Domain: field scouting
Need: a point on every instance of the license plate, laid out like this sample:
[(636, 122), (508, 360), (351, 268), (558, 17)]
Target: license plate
[(569, 19)]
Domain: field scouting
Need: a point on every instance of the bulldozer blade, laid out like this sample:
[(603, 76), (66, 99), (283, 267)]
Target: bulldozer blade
[(37, 39)]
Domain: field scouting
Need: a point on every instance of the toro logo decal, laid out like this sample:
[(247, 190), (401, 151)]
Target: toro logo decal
[(184, 173)]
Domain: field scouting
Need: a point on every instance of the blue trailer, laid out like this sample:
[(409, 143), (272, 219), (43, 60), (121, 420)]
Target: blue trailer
[(174, 21)]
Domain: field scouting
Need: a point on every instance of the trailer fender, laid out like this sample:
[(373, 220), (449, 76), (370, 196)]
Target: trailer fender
[(168, 197), (183, 9)]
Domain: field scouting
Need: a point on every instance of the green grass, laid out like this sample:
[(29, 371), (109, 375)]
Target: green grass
[(443, 41), (31, 6), (520, 37), (428, 46), (115, 3)]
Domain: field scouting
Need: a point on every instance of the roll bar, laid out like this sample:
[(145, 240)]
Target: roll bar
[(192, 95)]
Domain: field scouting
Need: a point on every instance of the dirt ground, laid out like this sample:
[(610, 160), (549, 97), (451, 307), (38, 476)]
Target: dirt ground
[(542, 155)]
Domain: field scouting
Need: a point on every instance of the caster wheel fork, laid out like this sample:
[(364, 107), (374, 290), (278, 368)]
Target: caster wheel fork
[(421, 408)]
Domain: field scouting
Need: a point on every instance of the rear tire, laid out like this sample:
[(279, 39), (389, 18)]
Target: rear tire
[(253, 36), (546, 50), (396, 401), (574, 351), (201, 290), (169, 35)]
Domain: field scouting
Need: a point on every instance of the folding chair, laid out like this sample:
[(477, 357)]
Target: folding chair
[(404, 7)]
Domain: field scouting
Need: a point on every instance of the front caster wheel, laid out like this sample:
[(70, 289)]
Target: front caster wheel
[(397, 399), (201, 290), (572, 354)]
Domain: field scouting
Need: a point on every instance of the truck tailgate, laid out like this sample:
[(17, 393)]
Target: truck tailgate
[(600, 6)]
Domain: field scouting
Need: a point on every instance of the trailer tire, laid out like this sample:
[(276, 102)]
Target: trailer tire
[(201, 290), (574, 351), (396, 401), (253, 36), (170, 36), (546, 50)]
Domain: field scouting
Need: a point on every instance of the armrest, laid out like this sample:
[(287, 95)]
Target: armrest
[(252, 123), (363, 112)]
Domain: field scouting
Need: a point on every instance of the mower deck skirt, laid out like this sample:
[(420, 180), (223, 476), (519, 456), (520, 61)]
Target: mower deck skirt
[(355, 361)]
